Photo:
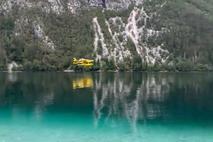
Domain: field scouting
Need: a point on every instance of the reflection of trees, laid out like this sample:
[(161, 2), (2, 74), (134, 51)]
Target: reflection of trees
[(137, 97), (141, 96), (134, 96), (192, 91), (38, 91)]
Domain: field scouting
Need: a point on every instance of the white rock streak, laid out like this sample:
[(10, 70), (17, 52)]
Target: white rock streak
[(11, 66), (132, 30), (137, 31), (99, 41), (119, 52)]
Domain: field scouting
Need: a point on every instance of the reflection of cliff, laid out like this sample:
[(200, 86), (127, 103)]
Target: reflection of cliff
[(41, 91), (137, 97), (134, 96)]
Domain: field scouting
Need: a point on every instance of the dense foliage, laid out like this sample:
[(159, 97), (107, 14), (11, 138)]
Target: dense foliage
[(189, 37)]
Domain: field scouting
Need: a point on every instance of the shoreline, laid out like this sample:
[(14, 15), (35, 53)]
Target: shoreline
[(103, 71)]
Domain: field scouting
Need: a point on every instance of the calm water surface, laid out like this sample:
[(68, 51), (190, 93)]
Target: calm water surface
[(106, 107)]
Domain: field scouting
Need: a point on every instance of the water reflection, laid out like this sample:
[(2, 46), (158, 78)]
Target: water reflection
[(134, 97), (83, 82), (12, 77)]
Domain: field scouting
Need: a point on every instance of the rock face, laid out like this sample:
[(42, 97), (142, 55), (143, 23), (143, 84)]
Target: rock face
[(135, 30), (115, 4), (60, 6)]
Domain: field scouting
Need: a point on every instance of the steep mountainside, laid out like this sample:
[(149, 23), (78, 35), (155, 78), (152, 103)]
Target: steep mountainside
[(117, 34)]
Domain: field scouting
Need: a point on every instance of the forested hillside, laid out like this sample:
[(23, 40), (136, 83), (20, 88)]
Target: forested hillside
[(174, 35)]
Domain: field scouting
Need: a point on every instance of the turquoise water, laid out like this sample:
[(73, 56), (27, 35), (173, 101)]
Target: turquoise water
[(106, 107)]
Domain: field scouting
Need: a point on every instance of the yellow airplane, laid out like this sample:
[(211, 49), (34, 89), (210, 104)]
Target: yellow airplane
[(86, 63)]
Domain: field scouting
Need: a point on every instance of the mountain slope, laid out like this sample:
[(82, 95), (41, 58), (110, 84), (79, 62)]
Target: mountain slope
[(118, 34)]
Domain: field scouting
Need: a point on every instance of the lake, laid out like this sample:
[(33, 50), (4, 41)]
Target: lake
[(106, 107)]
